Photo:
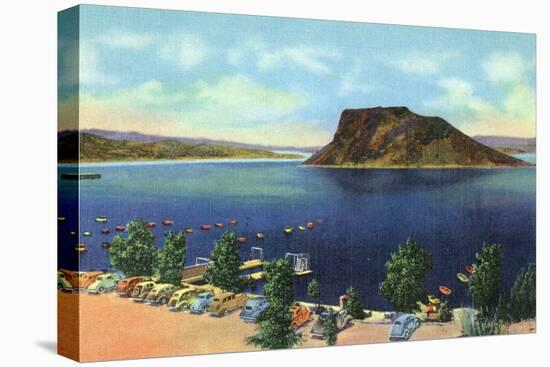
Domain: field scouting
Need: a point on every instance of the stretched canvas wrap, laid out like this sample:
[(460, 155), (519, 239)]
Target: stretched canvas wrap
[(235, 183)]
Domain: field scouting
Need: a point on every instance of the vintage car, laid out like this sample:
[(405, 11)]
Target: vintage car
[(226, 302), (253, 309), (403, 327), (201, 304), (80, 279), (125, 287), (318, 329), (62, 282), (300, 315), (182, 299), (103, 283), (160, 294), (141, 290)]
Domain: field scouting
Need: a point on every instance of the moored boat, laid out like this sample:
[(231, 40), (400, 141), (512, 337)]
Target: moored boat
[(219, 225), (242, 239), (120, 228), (301, 228), (206, 227), (470, 269), (433, 299), (167, 222), (72, 233), (188, 230), (80, 247), (260, 236), (105, 245), (463, 278), (101, 219), (151, 224), (105, 231), (61, 219), (444, 290), (232, 222), (288, 230), (87, 233), (310, 225)]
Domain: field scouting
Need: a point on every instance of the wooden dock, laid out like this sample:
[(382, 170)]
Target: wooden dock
[(195, 273), (261, 274)]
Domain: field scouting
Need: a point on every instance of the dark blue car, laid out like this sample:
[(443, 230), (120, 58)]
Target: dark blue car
[(253, 309), (403, 327)]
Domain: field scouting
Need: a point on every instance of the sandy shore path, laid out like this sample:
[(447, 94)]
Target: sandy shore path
[(115, 328)]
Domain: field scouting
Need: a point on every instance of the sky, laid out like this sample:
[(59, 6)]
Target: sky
[(283, 81)]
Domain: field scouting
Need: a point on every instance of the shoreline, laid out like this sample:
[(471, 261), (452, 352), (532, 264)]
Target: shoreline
[(176, 161)]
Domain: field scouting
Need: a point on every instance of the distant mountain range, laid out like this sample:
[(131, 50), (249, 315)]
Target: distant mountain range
[(395, 137), (135, 136), (508, 144), (94, 148)]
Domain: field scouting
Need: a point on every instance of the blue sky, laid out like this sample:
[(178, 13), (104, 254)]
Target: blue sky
[(285, 81)]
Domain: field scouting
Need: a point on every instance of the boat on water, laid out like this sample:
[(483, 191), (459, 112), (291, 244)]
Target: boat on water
[(288, 229), (433, 299), (167, 222), (301, 228), (463, 278), (101, 219), (105, 245), (80, 176), (242, 239), (444, 290), (105, 231), (310, 225), (260, 236), (470, 269), (80, 247), (151, 224), (87, 233), (72, 233), (206, 227), (232, 222), (61, 219), (219, 225), (120, 228), (188, 230)]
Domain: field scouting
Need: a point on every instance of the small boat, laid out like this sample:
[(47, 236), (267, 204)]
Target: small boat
[(61, 219), (288, 229), (120, 228), (219, 225), (105, 231), (260, 236), (433, 299), (463, 278), (101, 219), (167, 222), (72, 233), (151, 224), (310, 225), (301, 228), (188, 230), (242, 239), (87, 233), (232, 222), (444, 290), (206, 227), (105, 245), (470, 269), (80, 247)]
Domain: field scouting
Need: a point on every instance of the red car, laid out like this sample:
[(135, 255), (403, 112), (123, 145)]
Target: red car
[(126, 286)]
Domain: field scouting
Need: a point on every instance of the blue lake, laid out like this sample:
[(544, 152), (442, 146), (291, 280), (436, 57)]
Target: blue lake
[(365, 215)]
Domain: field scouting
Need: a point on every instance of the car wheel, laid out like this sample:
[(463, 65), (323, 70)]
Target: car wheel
[(59, 286), (163, 301), (101, 290)]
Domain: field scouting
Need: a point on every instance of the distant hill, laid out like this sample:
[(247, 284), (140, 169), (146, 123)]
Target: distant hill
[(396, 137), (144, 138), (94, 148), (508, 144)]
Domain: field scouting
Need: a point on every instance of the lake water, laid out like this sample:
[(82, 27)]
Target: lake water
[(365, 215)]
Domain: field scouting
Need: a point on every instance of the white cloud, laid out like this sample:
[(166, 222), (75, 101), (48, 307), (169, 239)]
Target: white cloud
[(506, 67), (315, 60), (188, 50), (117, 38), (234, 57), (351, 81), (422, 63), (90, 71)]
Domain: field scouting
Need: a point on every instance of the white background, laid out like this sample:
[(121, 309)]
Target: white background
[(28, 181)]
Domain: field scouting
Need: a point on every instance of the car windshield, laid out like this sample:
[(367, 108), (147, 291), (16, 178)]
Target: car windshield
[(100, 278), (216, 299), (248, 307)]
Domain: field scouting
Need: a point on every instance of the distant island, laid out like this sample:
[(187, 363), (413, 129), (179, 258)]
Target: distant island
[(93, 148), (508, 144), (395, 137)]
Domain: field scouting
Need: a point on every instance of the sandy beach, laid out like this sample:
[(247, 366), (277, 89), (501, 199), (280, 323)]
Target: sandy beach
[(115, 328)]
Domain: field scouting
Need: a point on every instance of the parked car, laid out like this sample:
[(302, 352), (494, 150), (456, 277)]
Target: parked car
[(103, 283), (300, 315), (201, 304), (160, 294), (62, 282), (126, 286), (403, 327), (80, 279), (182, 299), (318, 329), (253, 309), (141, 290), (226, 302)]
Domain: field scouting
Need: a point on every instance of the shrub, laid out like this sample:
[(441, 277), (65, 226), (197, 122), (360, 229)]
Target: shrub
[(135, 254), (171, 258), (224, 269), (355, 305), (523, 302), (485, 283)]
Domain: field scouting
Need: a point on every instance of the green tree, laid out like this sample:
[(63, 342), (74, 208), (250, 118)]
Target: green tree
[(485, 282), (330, 329), (275, 331), (171, 258), (355, 306), (314, 291), (223, 271), (135, 254), (523, 295), (405, 273)]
